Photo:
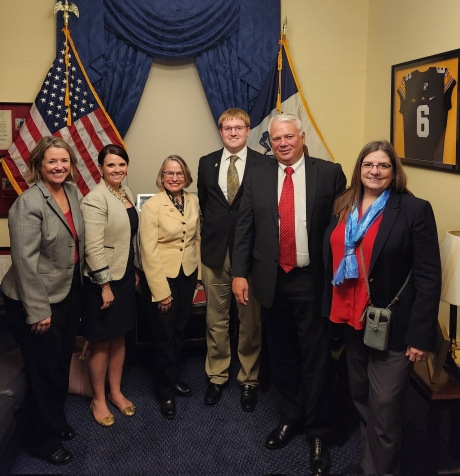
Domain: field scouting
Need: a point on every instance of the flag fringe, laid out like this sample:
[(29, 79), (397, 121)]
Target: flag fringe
[(285, 44), (10, 177)]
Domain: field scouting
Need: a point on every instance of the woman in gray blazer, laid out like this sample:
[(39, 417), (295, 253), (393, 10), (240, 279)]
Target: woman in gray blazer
[(111, 223), (42, 290)]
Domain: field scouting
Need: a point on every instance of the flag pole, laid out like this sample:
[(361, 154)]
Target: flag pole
[(280, 64), (72, 8)]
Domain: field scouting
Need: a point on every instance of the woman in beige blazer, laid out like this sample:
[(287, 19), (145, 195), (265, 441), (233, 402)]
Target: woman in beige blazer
[(42, 290), (170, 250), (111, 223)]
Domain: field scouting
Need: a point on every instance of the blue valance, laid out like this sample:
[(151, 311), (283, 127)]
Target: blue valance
[(234, 45), (173, 29)]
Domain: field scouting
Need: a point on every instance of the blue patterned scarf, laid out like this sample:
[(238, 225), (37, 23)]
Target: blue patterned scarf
[(354, 232)]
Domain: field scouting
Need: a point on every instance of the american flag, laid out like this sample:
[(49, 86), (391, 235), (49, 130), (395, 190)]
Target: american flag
[(90, 130)]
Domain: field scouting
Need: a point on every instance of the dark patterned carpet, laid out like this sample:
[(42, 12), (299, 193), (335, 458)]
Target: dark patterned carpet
[(217, 440)]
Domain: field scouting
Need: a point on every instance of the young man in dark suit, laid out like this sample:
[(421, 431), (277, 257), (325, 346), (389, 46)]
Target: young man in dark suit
[(285, 210), (221, 178)]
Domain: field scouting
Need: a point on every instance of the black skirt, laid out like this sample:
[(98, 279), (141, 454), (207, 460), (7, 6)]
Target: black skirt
[(99, 325)]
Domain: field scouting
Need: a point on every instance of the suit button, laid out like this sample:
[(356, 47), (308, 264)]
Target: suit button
[(181, 249), (276, 260), (181, 241), (183, 223), (370, 280), (225, 231), (183, 232), (230, 211)]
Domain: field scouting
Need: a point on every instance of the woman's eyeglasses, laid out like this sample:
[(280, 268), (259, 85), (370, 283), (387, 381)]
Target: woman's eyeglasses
[(171, 174), (368, 166)]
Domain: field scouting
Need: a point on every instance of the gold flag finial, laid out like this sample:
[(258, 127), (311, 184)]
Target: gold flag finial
[(72, 8), (284, 27)]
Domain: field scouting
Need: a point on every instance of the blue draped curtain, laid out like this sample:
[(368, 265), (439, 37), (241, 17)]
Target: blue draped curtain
[(233, 43)]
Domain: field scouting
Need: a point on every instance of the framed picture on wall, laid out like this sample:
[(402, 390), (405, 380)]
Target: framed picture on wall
[(12, 118), (425, 111), (142, 198)]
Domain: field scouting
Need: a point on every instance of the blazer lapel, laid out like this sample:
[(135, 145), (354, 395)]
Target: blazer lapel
[(311, 180), (272, 188), (249, 163), (216, 160), (390, 213), (53, 204), (187, 210), (170, 209)]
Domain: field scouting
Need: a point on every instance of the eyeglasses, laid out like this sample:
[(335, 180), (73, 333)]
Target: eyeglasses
[(382, 167), (179, 175), (237, 128)]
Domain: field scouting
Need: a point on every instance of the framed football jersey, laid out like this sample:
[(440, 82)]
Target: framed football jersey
[(425, 111)]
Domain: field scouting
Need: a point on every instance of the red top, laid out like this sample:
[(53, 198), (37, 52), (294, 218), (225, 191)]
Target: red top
[(349, 300), (69, 219)]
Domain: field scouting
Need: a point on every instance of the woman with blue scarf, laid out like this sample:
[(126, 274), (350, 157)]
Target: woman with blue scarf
[(379, 222)]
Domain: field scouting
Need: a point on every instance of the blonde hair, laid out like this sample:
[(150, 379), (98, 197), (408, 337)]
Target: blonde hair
[(234, 113)]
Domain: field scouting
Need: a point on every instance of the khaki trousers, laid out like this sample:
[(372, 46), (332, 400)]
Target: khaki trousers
[(218, 287)]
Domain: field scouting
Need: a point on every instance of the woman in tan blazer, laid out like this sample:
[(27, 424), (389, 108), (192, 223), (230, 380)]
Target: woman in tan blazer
[(111, 223), (170, 250), (42, 290)]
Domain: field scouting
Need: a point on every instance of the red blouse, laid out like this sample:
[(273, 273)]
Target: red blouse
[(349, 300), (69, 219)]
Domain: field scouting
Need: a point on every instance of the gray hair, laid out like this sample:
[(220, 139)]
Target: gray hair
[(286, 117)]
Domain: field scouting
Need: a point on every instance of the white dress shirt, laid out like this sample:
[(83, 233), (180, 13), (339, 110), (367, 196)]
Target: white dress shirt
[(300, 204), (240, 164)]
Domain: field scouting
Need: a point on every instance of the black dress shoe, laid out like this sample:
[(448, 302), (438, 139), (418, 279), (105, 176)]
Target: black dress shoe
[(248, 397), (67, 433), (168, 408), (183, 390), (60, 456), (281, 436), (319, 456), (213, 393)]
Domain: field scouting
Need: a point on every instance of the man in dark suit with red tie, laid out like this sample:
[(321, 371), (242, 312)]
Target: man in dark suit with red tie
[(221, 178), (285, 210)]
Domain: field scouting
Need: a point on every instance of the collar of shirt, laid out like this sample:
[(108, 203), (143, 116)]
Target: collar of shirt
[(242, 154), (297, 166)]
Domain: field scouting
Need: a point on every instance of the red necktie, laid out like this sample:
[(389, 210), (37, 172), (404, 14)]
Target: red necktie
[(286, 211)]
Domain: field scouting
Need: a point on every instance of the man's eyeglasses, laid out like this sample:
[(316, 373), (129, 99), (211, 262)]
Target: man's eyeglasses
[(369, 166), (179, 175), (237, 128)]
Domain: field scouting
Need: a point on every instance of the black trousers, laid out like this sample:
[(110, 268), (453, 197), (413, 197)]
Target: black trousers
[(47, 362), (168, 333), (298, 347)]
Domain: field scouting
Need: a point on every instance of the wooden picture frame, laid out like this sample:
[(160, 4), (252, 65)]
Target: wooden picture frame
[(436, 360), (425, 111), (12, 117)]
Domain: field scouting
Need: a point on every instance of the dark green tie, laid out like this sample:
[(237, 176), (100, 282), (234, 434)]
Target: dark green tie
[(233, 181)]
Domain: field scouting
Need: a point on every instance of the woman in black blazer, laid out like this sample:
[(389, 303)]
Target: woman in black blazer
[(398, 235)]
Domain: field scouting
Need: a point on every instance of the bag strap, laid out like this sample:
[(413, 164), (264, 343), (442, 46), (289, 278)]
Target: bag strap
[(83, 350), (367, 281)]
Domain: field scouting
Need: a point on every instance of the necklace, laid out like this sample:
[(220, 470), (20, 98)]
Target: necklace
[(121, 194)]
